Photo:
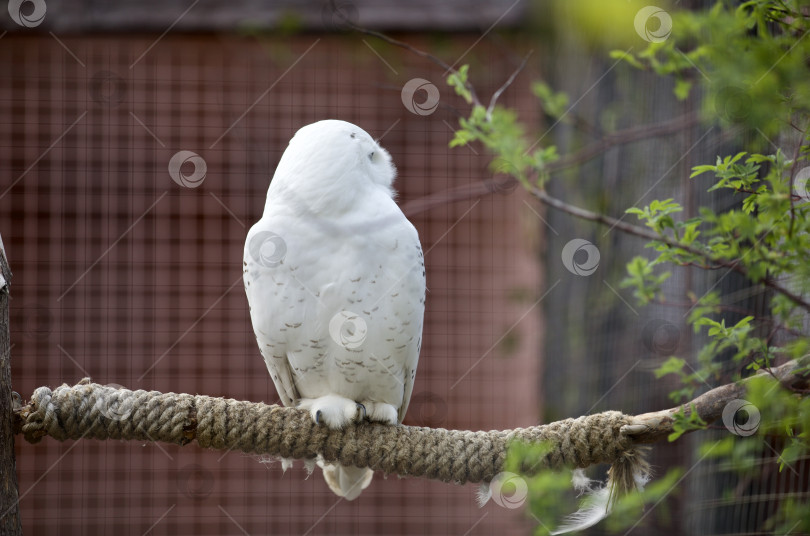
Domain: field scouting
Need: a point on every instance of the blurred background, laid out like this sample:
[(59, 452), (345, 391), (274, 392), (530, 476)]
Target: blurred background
[(137, 142)]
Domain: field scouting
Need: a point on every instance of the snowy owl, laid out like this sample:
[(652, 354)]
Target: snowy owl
[(335, 280)]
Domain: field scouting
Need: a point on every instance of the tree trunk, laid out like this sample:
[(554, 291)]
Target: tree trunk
[(9, 492)]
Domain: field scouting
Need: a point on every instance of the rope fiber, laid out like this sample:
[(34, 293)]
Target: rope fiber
[(90, 410)]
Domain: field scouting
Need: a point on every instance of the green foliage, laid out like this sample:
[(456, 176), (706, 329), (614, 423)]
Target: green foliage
[(745, 65), (690, 380), (792, 518), (631, 507), (685, 422), (658, 215), (554, 104), (784, 414), (545, 487), (458, 81), (642, 279), (500, 132), (749, 57), (550, 495)]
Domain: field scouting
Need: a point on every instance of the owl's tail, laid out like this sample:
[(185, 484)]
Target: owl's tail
[(346, 481)]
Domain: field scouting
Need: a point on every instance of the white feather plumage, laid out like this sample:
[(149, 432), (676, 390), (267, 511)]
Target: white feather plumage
[(335, 280)]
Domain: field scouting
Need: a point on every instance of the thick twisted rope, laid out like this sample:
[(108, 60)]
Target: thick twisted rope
[(89, 410)]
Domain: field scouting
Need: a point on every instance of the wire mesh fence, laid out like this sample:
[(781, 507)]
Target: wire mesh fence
[(132, 278), (132, 167), (611, 345)]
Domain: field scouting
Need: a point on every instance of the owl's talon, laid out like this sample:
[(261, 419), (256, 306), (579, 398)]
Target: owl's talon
[(359, 405), (332, 411), (379, 412)]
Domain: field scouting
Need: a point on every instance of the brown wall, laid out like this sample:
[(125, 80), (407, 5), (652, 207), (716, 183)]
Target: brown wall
[(124, 276)]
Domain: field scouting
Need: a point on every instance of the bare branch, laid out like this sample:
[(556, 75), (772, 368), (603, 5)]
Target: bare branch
[(656, 426), (648, 234), (401, 44), (495, 96), (587, 153), (623, 137), (483, 188), (451, 195)]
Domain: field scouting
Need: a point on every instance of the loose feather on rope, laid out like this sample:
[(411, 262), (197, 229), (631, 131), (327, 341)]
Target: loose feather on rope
[(629, 473)]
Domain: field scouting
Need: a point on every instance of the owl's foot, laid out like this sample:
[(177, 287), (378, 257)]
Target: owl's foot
[(332, 410), (381, 412)]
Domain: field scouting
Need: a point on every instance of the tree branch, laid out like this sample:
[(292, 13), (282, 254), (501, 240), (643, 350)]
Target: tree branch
[(648, 234), (623, 137), (401, 44), (656, 426), (583, 155), (495, 96), (10, 523), (487, 187)]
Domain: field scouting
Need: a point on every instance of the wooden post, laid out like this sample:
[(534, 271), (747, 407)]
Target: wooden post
[(9, 492)]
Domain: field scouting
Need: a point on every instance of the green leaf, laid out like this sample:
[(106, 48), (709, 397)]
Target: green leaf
[(698, 170), (673, 365), (554, 104), (682, 88), (683, 422), (625, 56), (458, 81)]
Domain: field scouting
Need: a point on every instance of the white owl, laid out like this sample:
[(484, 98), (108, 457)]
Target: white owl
[(335, 280)]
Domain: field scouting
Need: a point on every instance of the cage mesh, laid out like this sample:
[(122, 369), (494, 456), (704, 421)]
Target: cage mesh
[(127, 277)]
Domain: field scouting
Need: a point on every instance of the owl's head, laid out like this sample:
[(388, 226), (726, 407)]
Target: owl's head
[(333, 160)]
